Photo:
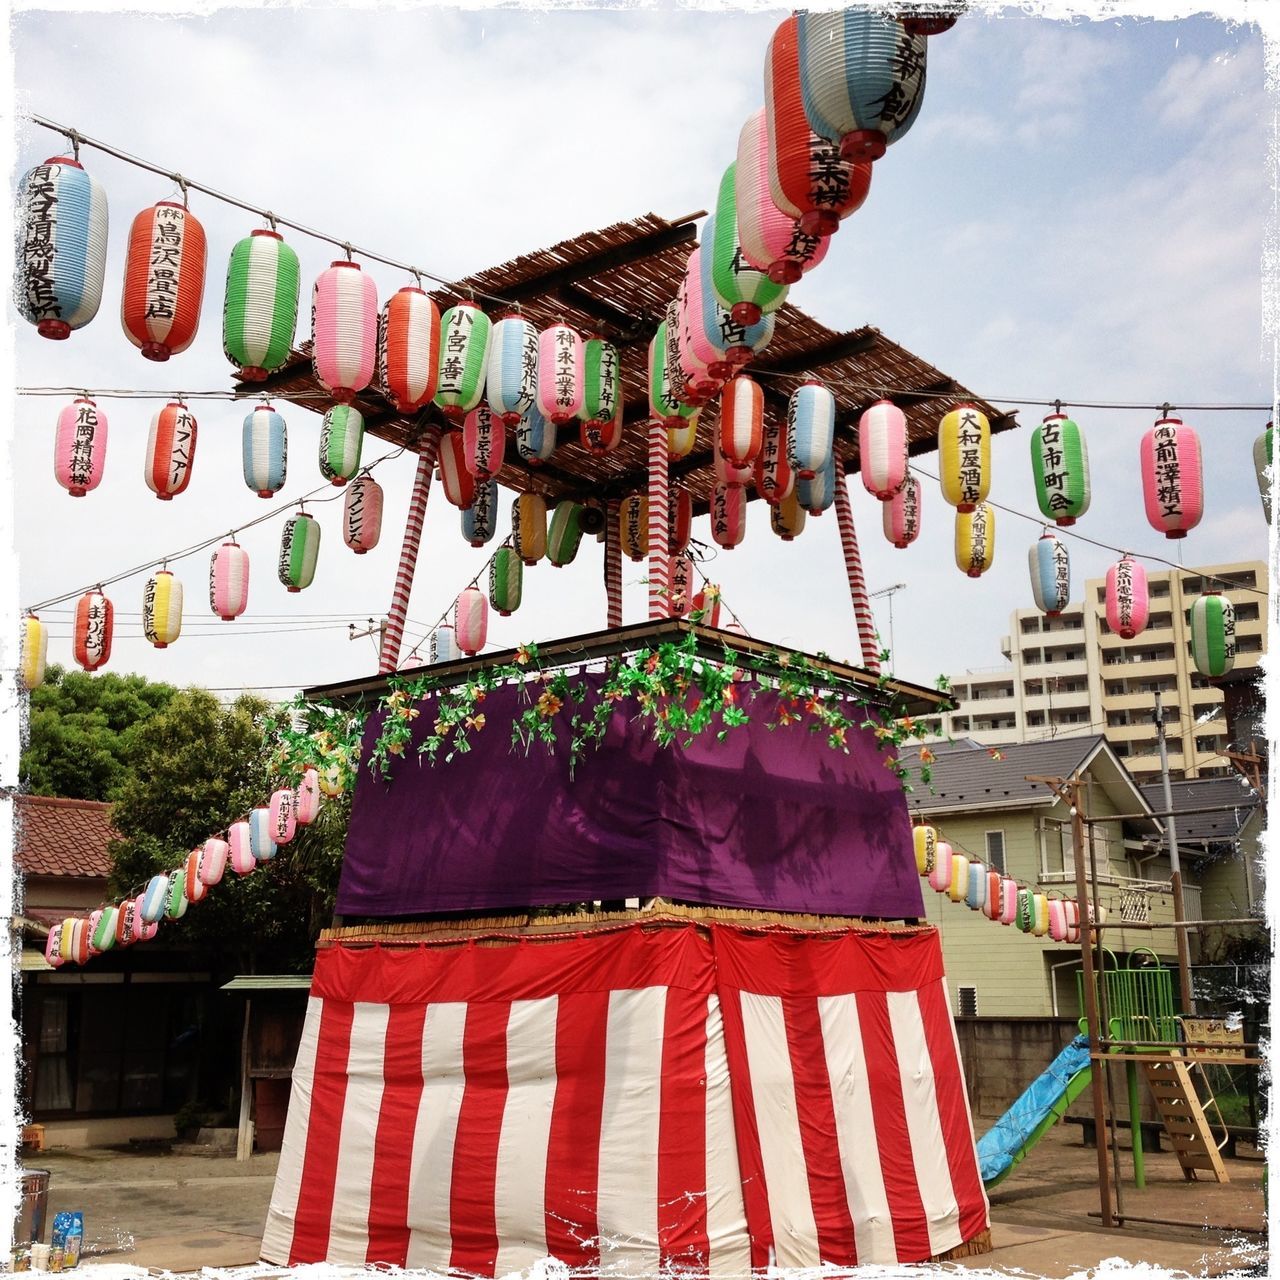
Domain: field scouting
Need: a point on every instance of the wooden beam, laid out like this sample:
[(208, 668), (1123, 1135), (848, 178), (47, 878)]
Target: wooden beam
[(838, 348)]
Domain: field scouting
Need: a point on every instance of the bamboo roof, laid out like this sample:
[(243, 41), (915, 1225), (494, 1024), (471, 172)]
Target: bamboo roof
[(617, 282)]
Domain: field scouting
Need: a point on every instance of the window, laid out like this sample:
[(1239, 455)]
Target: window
[(1035, 717), (967, 1001), (1029, 625), (995, 851)]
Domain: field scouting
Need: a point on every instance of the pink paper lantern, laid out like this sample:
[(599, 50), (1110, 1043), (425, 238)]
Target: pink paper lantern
[(775, 479), (901, 514), (882, 449), (1172, 478), (459, 484), (728, 515), (1128, 602), (229, 581), (240, 848), (471, 621), (362, 514), (705, 348), (80, 447), (308, 800), (737, 475), (284, 819), (560, 385), (484, 442), (213, 860), (344, 330)]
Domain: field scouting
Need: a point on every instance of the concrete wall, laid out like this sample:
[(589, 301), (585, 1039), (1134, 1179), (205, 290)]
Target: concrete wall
[(110, 1131), (1003, 1055)]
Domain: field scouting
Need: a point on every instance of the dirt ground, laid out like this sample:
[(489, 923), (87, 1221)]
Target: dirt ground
[(182, 1213)]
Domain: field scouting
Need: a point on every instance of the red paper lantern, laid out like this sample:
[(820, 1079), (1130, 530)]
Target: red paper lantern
[(163, 280)]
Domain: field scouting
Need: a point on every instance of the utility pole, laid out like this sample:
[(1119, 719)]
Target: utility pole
[(378, 629), (1175, 867), (889, 591)]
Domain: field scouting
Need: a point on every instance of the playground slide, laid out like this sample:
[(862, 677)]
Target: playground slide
[(1041, 1105)]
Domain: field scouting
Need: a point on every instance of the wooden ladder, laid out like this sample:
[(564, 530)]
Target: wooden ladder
[(1184, 1118)]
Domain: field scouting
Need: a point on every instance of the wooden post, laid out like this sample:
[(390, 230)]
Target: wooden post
[(659, 534), (613, 562), (857, 583), (244, 1132), (389, 657)]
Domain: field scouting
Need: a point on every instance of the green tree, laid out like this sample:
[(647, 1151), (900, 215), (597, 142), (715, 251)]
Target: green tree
[(83, 729), (196, 767)]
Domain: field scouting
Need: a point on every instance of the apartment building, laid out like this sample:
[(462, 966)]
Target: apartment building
[(1072, 674)]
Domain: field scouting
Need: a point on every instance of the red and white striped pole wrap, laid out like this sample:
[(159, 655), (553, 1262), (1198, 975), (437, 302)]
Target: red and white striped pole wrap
[(857, 583), (659, 546), (389, 657), (613, 562)]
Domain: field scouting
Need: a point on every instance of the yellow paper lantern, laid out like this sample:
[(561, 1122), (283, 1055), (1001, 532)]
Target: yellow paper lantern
[(964, 461)]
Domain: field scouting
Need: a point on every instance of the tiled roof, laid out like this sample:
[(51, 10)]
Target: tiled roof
[(59, 837), (1235, 795)]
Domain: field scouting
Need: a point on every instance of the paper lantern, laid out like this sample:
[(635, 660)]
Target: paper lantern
[(600, 437), (992, 902), (975, 897), (811, 426), (664, 403), (66, 939), (408, 361), (511, 372), (633, 526), (464, 358), (362, 514), (694, 354), (479, 520), (332, 781), (35, 646), (193, 888), (144, 930), (701, 342), (560, 373), (775, 480), (175, 901), (771, 240), (1057, 920), (1026, 913), (975, 539), (817, 493), (52, 948), (529, 527), (787, 518), (484, 442), (124, 922), (341, 441), (1071, 910), (862, 76), (809, 180), (471, 621), (728, 515), (745, 291), (734, 343), (80, 447), (104, 931), (162, 609), (1008, 901), (705, 607), (535, 437), (171, 450), (262, 846), (80, 939), (213, 860), (925, 839), (240, 848), (1172, 478), (264, 449), (601, 395), (307, 797), (284, 815), (260, 308), (882, 449), (679, 600), (1040, 920), (741, 434), (506, 581), (564, 534), (61, 225), (344, 330), (154, 898), (1263, 453), (94, 920), (735, 474), (442, 646), (459, 484), (163, 280), (229, 581), (1127, 598), (959, 885), (92, 630), (1050, 565), (299, 547), (900, 516), (1060, 466), (679, 520), (1213, 634), (940, 876), (682, 438), (964, 457)]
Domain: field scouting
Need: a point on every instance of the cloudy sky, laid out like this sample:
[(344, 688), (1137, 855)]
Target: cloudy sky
[(1080, 213)]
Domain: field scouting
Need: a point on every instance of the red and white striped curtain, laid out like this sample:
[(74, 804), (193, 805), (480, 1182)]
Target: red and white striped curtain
[(637, 1100)]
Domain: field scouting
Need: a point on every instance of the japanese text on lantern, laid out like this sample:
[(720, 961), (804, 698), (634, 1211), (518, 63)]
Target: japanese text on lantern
[(95, 627), (1124, 593), (828, 176), (608, 393), (82, 444), (970, 440), (565, 341), (1168, 471), (897, 103), (180, 452), (1061, 572), (1052, 474), (166, 254), (978, 546), (355, 512), (39, 222), (720, 510), (149, 611), (482, 507), (453, 365)]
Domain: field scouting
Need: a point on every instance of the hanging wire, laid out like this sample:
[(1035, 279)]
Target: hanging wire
[(77, 139), (444, 617)]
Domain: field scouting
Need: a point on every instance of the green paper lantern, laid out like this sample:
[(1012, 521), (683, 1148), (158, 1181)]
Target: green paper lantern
[(299, 546), (1213, 635), (744, 291), (506, 581), (1060, 465), (564, 535), (260, 311)]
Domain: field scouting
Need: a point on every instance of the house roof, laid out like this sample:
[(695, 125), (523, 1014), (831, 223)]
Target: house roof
[(1238, 799), (59, 837), (974, 777)]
